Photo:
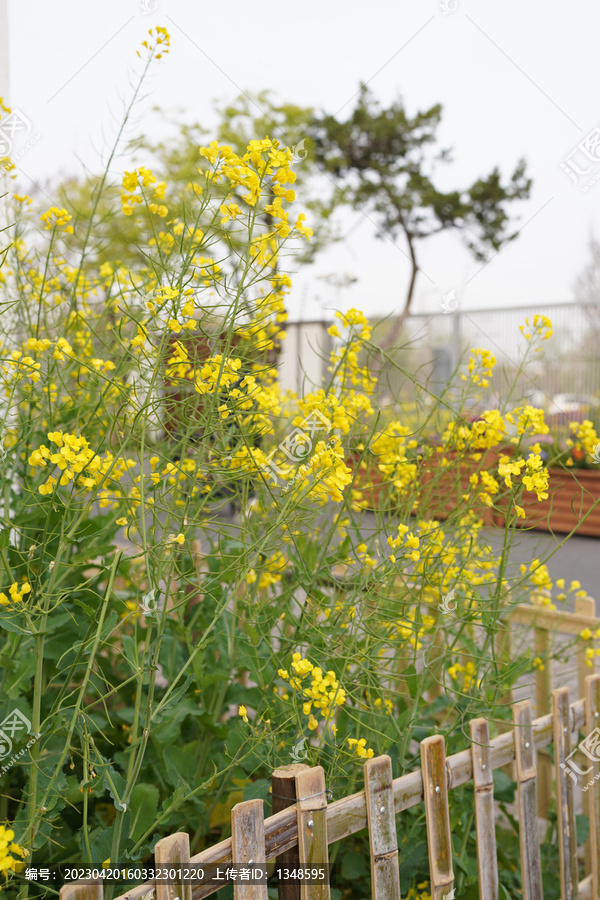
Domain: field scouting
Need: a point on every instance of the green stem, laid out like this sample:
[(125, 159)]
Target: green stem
[(34, 814)]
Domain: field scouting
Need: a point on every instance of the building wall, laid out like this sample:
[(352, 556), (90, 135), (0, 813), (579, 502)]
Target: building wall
[(304, 356)]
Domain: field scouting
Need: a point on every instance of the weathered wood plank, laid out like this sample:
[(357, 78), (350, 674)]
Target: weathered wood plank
[(383, 841), (554, 620), (248, 846), (313, 844), (283, 792), (483, 786), (349, 815), (82, 892), (567, 838), (592, 794), (525, 754), (173, 851), (437, 816)]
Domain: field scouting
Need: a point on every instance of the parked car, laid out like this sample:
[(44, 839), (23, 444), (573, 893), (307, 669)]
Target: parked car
[(565, 408)]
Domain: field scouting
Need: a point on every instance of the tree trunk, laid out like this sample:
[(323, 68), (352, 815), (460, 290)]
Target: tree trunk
[(391, 337)]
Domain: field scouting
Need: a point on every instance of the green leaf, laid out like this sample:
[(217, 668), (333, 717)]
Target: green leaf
[(180, 766), (131, 652), (100, 845), (143, 805), (504, 787), (412, 680), (353, 866), (6, 624), (582, 827), (257, 790), (118, 784), (173, 699)]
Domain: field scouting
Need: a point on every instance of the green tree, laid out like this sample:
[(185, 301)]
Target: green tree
[(384, 162), (176, 159)]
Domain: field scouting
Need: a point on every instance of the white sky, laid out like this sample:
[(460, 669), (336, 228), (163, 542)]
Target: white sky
[(515, 79)]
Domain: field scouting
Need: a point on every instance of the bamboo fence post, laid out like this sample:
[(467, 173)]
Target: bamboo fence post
[(592, 710), (543, 704), (283, 786), (435, 795), (248, 847), (585, 606), (567, 836), (483, 787), (313, 846), (503, 648), (173, 851), (531, 869), (383, 840)]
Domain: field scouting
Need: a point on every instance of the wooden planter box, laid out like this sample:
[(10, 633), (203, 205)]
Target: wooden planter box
[(443, 487), (571, 495)]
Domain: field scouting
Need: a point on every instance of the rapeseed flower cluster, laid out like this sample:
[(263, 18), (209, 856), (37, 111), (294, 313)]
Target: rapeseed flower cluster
[(77, 462), (393, 449), (539, 327), (420, 892), (160, 40), (411, 627), (330, 473), (480, 367), (465, 674), (16, 592), (528, 420), (344, 361), (484, 433), (132, 192), (217, 373), (407, 540), (586, 439), (57, 219), (9, 851), (360, 749), (487, 484), (271, 571), (534, 476), (323, 693)]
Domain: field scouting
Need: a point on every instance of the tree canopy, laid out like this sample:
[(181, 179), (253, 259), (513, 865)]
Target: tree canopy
[(385, 161)]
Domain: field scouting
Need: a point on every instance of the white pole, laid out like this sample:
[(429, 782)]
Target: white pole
[(4, 58)]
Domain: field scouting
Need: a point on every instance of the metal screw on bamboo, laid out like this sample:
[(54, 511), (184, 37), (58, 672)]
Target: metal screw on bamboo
[(437, 817), (525, 753), (313, 847), (283, 785), (483, 786), (383, 841)]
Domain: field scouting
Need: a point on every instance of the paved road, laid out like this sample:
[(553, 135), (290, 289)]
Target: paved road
[(574, 559)]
